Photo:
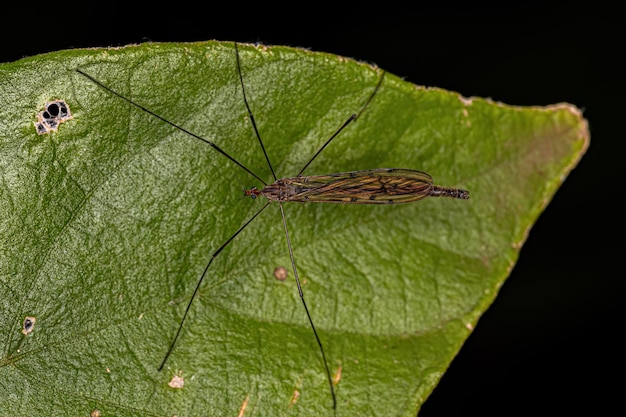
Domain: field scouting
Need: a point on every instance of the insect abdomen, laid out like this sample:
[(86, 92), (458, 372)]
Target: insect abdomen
[(439, 191)]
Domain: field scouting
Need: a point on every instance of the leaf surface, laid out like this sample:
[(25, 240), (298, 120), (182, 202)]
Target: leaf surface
[(107, 224)]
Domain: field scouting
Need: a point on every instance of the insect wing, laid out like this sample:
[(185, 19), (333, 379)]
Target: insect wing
[(376, 186)]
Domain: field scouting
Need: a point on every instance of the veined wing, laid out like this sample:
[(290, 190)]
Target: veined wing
[(374, 186)]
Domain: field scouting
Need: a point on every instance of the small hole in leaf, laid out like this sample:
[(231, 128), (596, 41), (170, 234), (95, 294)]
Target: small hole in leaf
[(28, 325), (53, 109), (50, 118)]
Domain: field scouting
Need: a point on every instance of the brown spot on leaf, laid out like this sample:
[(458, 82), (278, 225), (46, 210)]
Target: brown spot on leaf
[(280, 273)]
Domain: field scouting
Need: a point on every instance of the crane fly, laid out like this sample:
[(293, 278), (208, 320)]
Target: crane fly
[(371, 186), (374, 186)]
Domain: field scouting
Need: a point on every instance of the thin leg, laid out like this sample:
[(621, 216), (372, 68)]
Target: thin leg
[(371, 97), (193, 296), (319, 342), (182, 129), (250, 115), (346, 123)]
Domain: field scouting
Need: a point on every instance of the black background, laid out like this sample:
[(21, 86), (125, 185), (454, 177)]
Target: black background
[(550, 343)]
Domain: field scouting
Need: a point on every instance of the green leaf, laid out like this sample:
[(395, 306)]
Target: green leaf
[(107, 224)]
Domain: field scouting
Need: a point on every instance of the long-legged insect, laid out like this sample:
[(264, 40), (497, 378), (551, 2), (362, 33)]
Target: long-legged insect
[(375, 186)]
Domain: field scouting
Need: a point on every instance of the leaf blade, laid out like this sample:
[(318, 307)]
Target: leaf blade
[(116, 214)]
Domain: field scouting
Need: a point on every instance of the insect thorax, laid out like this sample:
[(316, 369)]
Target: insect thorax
[(281, 191)]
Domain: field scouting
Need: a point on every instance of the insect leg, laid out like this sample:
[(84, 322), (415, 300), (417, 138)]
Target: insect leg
[(193, 296), (150, 112), (250, 115), (308, 314), (346, 123)]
